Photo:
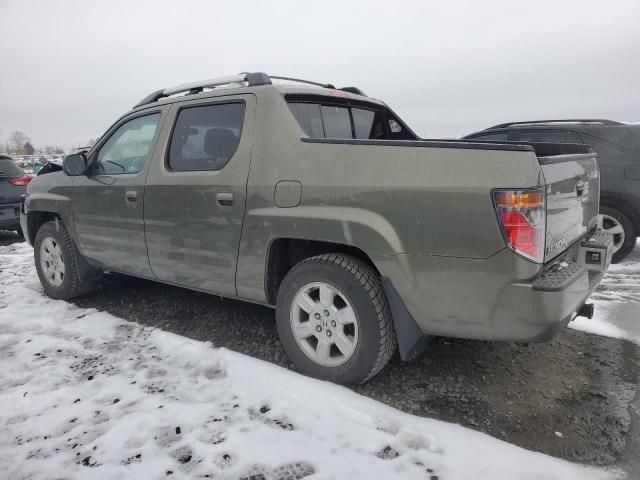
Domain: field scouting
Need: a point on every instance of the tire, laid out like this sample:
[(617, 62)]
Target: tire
[(615, 221), (77, 276), (359, 319)]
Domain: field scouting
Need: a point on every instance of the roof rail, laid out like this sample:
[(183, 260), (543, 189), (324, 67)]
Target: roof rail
[(298, 80), (251, 79), (599, 121), (355, 90)]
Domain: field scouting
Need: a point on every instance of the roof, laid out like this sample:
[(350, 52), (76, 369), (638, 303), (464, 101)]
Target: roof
[(554, 123), (244, 81)]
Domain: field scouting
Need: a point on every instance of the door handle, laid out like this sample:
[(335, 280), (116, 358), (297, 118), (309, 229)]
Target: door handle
[(131, 196), (225, 199)]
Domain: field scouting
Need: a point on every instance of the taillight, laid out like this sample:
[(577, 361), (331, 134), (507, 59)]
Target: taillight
[(22, 181), (521, 216)]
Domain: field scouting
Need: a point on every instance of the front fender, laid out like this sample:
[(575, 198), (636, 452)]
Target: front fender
[(49, 194)]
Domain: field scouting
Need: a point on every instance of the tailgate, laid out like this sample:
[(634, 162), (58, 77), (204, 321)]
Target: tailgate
[(572, 183)]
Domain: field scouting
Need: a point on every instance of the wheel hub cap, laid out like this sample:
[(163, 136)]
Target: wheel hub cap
[(52, 262), (613, 226), (324, 324)]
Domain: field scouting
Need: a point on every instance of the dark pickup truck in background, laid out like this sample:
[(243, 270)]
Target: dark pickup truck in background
[(618, 147), (322, 203)]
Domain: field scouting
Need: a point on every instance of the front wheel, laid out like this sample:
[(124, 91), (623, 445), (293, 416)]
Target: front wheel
[(624, 234), (334, 320), (63, 273)]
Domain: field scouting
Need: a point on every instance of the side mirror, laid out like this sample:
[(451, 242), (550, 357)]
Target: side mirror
[(75, 165)]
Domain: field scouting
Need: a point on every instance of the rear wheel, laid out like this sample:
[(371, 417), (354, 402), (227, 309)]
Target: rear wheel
[(624, 234), (63, 273), (333, 319)]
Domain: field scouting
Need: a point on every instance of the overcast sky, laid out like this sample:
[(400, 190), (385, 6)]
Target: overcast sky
[(70, 68)]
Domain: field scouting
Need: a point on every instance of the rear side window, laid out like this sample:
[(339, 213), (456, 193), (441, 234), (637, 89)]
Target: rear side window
[(9, 169), (546, 136), (492, 137), (206, 137), (605, 151)]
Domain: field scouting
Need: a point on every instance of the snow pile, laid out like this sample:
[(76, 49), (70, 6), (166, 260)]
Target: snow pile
[(87, 395)]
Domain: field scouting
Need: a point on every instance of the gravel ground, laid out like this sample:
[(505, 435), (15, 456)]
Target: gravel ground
[(568, 398)]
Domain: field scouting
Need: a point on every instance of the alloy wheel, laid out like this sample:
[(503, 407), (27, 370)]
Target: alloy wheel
[(52, 262), (324, 324), (613, 226)]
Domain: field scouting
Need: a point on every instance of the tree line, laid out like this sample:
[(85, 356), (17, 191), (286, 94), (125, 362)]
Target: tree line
[(19, 143)]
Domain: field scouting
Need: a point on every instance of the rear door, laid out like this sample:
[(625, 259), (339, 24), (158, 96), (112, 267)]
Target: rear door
[(195, 195), (108, 203)]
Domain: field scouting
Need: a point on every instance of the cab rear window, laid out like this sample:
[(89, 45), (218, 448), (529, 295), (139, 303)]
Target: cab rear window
[(346, 121)]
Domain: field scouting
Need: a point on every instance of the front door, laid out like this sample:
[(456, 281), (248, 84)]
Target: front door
[(108, 203), (195, 198)]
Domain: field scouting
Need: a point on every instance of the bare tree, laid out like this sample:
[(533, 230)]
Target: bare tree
[(18, 139)]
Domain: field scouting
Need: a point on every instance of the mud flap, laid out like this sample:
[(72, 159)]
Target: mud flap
[(411, 341)]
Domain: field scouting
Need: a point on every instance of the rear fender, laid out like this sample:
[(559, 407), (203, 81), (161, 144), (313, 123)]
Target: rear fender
[(353, 227)]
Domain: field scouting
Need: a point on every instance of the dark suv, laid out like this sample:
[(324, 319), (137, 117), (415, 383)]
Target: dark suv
[(13, 186), (618, 148)]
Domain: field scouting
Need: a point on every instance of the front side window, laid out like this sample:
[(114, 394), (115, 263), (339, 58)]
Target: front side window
[(126, 151), (206, 137)]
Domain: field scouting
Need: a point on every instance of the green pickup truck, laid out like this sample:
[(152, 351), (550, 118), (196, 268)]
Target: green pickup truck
[(321, 202)]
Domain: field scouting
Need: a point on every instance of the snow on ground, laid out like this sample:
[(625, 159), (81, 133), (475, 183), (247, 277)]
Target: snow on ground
[(86, 395), (617, 302)]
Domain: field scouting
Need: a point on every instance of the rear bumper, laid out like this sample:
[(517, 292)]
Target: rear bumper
[(544, 312), (503, 297), (563, 287), (9, 216)]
